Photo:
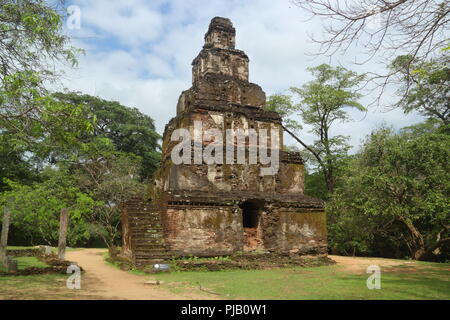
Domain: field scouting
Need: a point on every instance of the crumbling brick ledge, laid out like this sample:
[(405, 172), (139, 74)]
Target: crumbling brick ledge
[(238, 261)]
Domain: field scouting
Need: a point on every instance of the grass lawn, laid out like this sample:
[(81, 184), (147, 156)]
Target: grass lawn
[(421, 281), (27, 262), (25, 248), (36, 287), (45, 286), (18, 248)]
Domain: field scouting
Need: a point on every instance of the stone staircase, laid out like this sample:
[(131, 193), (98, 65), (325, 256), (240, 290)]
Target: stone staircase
[(147, 239)]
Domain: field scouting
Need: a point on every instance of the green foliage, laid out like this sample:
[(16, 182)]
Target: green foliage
[(315, 185), (30, 43), (31, 37), (35, 118), (31, 46), (323, 103), (394, 195), (111, 178), (425, 86), (129, 130), (284, 106), (13, 163), (35, 209)]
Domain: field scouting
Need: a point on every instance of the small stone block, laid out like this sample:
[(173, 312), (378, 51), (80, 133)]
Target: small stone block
[(153, 282)]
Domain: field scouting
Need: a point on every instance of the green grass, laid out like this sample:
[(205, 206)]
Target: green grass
[(417, 280), (36, 287), (424, 281), (27, 262), (26, 248), (18, 248)]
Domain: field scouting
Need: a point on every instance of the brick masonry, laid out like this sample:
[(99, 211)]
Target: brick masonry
[(221, 209)]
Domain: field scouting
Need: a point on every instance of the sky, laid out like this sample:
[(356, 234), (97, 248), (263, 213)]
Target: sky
[(139, 52)]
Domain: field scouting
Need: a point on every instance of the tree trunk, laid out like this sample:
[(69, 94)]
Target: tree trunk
[(329, 180), (63, 222), (418, 246), (4, 236)]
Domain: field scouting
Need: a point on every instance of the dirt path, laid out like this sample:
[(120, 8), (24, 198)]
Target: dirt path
[(106, 282), (360, 264)]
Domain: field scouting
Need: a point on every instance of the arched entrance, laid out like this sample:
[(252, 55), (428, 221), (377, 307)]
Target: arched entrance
[(251, 216)]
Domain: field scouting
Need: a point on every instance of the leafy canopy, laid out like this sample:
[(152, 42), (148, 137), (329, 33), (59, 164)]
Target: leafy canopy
[(403, 192), (129, 130)]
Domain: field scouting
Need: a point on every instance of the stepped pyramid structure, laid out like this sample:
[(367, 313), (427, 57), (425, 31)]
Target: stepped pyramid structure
[(203, 209)]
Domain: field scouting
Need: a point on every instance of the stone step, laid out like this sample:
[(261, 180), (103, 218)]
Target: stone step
[(150, 253), (143, 262), (146, 217), (145, 231), (146, 228), (143, 214), (145, 220), (139, 213), (146, 252), (141, 239), (150, 246), (151, 241), (146, 236), (152, 257), (145, 224)]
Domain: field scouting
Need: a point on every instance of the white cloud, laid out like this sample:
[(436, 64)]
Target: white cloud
[(132, 22), (140, 52)]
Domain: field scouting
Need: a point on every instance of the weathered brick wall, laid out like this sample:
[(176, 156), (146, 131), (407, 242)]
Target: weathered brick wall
[(227, 177), (302, 231), (203, 231)]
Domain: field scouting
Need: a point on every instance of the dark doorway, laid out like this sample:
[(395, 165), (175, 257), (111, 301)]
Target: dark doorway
[(251, 214)]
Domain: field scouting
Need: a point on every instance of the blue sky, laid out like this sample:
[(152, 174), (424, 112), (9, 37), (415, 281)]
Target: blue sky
[(139, 52)]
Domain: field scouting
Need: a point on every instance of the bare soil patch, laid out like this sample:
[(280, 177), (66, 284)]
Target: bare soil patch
[(107, 282), (359, 264)]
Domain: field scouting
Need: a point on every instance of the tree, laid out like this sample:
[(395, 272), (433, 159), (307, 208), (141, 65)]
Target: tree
[(425, 86), (14, 164), (315, 185), (417, 28), (110, 178), (36, 208), (322, 104), (31, 45), (284, 106), (129, 130), (402, 198), (31, 39)]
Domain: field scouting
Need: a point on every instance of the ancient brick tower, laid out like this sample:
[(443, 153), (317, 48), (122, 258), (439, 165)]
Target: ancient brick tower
[(217, 209)]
